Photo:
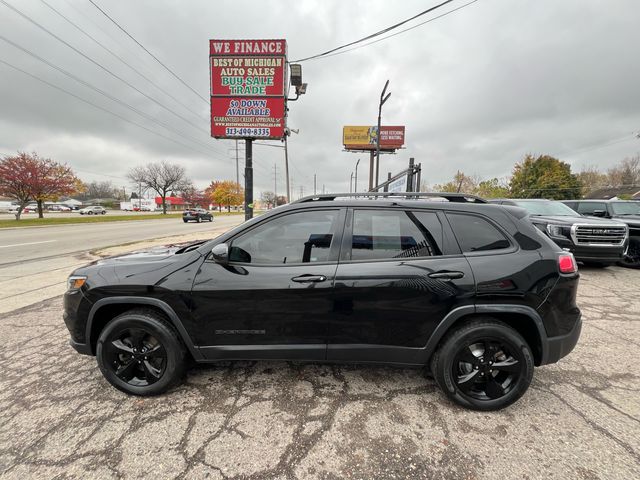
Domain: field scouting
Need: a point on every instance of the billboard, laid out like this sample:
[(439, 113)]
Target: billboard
[(365, 138), (248, 79)]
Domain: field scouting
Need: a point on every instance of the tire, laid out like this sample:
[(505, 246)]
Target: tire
[(211, 219), (121, 346), (103, 212), (198, 219), (185, 220), (631, 257), (460, 360), (89, 213)]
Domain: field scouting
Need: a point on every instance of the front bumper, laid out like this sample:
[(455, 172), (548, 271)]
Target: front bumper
[(75, 313), (587, 253)]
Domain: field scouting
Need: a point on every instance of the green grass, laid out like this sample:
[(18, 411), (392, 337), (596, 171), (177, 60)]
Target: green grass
[(109, 217)]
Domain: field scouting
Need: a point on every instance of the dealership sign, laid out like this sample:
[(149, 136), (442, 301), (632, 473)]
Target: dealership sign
[(365, 138), (248, 88)]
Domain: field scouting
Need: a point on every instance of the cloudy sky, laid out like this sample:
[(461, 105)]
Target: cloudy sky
[(476, 89)]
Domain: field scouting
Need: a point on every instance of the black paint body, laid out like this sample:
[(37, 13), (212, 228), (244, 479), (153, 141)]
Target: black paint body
[(389, 310)]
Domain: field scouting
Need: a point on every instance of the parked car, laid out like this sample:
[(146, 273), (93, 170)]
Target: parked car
[(626, 211), (72, 206), (472, 291), (197, 215), (593, 241), (58, 208), (93, 210)]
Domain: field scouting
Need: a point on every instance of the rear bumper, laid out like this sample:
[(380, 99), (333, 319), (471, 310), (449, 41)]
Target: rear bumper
[(562, 345)]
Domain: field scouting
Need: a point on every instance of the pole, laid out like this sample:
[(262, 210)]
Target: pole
[(248, 179), (237, 165), (410, 176), (383, 99), (275, 184), (314, 183), (418, 175), (371, 154), (386, 187), (351, 183), (286, 168), (323, 188), (355, 183)]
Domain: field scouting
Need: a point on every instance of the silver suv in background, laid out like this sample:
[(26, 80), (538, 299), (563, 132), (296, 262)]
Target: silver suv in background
[(92, 210)]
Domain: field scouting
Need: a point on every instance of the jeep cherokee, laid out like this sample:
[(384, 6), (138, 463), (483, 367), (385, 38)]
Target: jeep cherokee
[(473, 292)]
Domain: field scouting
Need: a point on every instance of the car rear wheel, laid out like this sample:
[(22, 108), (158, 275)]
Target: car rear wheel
[(631, 257), (483, 365), (140, 353), (198, 219), (103, 212)]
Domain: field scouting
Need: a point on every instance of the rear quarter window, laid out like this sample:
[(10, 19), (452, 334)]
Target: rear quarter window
[(476, 234)]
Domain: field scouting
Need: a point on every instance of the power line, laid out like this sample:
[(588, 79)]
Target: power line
[(373, 35), (105, 94), (402, 31), (79, 52), (107, 49), (598, 146), (151, 54), (102, 108)]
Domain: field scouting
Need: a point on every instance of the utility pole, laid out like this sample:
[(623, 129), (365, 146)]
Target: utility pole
[(248, 179), (351, 183), (275, 184), (383, 99), (286, 168), (314, 183), (237, 166), (355, 183)]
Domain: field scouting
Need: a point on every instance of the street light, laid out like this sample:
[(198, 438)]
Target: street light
[(351, 183), (355, 185), (383, 99)]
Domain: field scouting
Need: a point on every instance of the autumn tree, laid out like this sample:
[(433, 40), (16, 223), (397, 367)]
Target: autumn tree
[(461, 183), (544, 177), (273, 200), (592, 179), (625, 173), (161, 177), (492, 188), (195, 196), (226, 193), (27, 177)]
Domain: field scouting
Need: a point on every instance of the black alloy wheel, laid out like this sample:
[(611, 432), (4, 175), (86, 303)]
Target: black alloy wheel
[(483, 365), (631, 258), (487, 369), (140, 352), (136, 356)]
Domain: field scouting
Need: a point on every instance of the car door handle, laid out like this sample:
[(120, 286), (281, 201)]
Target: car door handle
[(309, 278), (444, 275)]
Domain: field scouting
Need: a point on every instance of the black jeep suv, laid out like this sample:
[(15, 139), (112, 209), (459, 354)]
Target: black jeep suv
[(594, 241), (472, 291), (625, 211)]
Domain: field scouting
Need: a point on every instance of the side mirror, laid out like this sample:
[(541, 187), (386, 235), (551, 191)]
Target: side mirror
[(220, 253), (599, 213)]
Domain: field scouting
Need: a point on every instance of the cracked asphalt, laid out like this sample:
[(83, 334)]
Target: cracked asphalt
[(579, 420)]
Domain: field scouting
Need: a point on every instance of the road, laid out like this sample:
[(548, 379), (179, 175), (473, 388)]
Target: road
[(35, 261), (579, 420)]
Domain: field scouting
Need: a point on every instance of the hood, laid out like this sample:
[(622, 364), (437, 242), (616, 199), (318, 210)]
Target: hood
[(565, 219), (155, 254), (628, 219)]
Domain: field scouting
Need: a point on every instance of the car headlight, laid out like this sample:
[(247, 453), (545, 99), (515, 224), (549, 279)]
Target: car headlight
[(557, 231), (75, 282)]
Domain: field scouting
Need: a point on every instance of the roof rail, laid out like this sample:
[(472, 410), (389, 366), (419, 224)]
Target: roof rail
[(451, 197)]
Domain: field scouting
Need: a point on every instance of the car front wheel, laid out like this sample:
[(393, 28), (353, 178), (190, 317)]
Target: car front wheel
[(631, 257), (140, 353), (483, 365)]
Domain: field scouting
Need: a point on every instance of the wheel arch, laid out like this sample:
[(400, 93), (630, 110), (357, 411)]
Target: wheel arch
[(525, 320), (107, 309)]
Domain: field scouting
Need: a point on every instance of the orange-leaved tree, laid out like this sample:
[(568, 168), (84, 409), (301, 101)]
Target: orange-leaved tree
[(225, 193)]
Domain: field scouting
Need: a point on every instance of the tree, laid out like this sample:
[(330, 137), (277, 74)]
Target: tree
[(161, 177), (460, 183), (592, 179), (626, 173), (226, 193), (194, 196), (28, 177), (272, 200), (544, 177), (52, 181), (493, 188)]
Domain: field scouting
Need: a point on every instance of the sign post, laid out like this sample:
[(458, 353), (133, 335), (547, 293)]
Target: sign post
[(248, 96)]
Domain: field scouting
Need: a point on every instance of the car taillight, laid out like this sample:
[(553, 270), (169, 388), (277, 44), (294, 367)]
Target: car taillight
[(567, 264)]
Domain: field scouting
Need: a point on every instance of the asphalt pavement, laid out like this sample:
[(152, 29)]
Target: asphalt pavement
[(282, 420)]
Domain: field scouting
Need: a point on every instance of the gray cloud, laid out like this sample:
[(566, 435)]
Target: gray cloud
[(476, 90)]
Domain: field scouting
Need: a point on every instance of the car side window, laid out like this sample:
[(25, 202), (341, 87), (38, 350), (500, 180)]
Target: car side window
[(475, 234), (383, 234), (587, 208), (303, 237)]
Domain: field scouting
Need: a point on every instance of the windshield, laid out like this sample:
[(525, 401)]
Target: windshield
[(546, 208), (626, 208)]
